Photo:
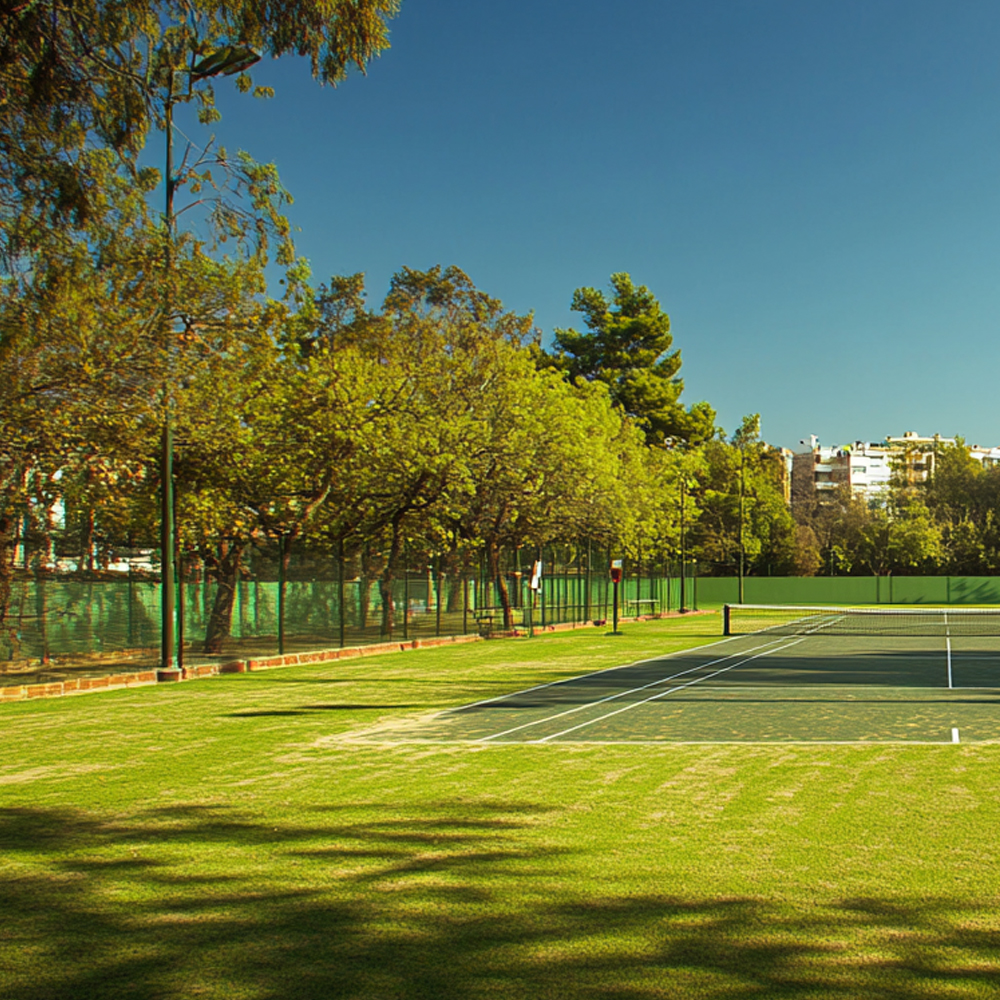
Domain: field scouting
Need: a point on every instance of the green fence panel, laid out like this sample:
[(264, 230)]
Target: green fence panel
[(810, 590), (919, 590), (851, 590), (713, 591), (974, 589)]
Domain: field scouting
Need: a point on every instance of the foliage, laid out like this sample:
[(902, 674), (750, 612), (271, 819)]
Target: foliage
[(743, 504), (85, 82), (628, 348)]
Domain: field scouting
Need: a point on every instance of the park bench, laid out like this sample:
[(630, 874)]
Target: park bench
[(650, 604)]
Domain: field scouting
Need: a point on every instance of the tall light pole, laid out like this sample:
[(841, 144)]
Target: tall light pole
[(743, 457), (224, 61), (683, 550)]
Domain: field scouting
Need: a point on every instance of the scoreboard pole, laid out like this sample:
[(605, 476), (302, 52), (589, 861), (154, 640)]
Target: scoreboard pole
[(616, 578)]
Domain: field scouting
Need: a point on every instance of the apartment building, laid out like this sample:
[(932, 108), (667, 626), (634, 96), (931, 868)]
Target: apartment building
[(866, 467)]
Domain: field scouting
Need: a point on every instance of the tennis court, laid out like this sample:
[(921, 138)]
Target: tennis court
[(796, 675)]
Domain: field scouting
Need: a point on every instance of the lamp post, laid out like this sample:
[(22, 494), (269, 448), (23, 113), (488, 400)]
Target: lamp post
[(683, 607), (224, 61), (743, 456)]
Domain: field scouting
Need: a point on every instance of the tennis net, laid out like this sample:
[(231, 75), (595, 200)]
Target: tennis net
[(787, 619)]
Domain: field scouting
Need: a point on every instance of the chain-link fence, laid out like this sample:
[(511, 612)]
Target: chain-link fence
[(261, 604)]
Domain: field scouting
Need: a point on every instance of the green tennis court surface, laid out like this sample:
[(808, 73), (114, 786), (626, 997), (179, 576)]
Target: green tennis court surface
[(755, 688)]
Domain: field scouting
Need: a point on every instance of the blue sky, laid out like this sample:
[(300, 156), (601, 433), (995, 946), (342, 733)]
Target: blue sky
[(811, 189)]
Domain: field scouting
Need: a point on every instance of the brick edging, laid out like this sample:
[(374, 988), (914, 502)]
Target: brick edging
[(84, 685)]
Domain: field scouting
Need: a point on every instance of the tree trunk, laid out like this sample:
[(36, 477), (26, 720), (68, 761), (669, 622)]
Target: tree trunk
[(227, 570), (388, 577), (493, 568), (453, 572), (7, 542), (365, 585), (87, 543)]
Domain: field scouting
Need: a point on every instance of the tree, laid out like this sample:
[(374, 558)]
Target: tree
[(744, 513), (267, 455), (550, 463), (963, 496), (84, 83), (628, 348)]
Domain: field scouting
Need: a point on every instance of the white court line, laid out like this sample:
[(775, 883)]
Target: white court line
[(954, 736), (621, 694), (667, 744), (663, 694), (947, 641)]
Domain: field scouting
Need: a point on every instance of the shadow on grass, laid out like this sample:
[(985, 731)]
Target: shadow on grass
[(308, 709), (456, 900)]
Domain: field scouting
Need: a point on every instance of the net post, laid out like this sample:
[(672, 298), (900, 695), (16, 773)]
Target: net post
[(725, 620)]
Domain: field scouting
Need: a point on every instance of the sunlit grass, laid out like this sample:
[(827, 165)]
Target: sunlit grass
[(215, 839)]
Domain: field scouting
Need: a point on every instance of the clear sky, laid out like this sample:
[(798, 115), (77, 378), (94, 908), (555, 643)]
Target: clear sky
[(811, 188)]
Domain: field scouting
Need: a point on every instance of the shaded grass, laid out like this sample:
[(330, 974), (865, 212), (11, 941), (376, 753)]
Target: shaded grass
[(210, 839)]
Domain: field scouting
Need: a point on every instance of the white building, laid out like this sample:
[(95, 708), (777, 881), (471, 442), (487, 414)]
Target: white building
[(868, 466)]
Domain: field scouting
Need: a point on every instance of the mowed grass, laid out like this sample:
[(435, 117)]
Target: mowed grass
[(218, 839)]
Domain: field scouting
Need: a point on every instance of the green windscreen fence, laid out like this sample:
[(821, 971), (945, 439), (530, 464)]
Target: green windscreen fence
[(319, 602), (850, 590), (314, 602)]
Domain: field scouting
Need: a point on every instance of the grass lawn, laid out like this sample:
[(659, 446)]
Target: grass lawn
[(217, 839)]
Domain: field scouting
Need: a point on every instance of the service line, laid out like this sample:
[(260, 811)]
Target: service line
[(947, 645)]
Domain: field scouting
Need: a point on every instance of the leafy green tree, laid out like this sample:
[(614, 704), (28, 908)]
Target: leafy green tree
[(549, 463), (265, 454), (628, 348), (963, 496), (914, 537), (807, 559), (84, 83), (439, 335), (743, 508)]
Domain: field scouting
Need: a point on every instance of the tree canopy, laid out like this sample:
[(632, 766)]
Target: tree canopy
[(627, 346)]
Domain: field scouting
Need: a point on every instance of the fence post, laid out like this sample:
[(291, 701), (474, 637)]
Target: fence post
[(406, 592), (341, 611), (281, 594), (437, 595), (179, 563), (541, 584), (131, 625)]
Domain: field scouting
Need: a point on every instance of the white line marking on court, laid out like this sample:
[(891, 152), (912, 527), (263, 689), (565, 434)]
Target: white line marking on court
[(593, 673), (621, 694), (947, 643), (663, 694), (477, 745), (954, 736)]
